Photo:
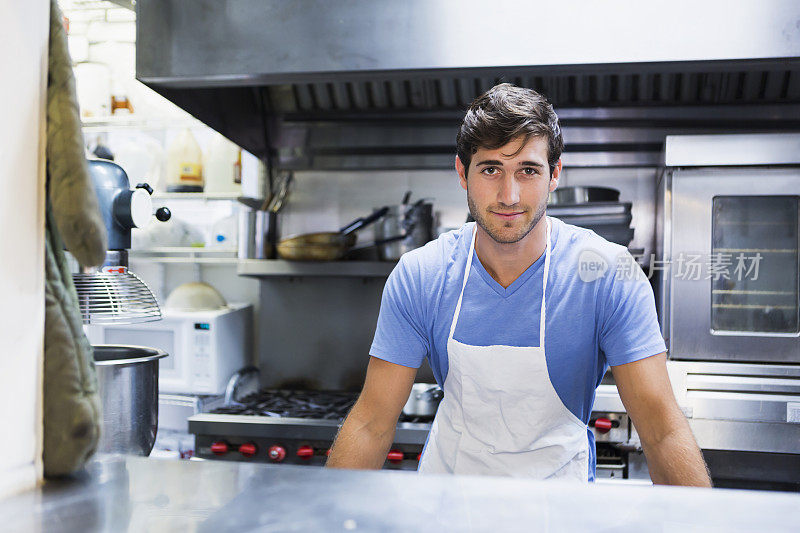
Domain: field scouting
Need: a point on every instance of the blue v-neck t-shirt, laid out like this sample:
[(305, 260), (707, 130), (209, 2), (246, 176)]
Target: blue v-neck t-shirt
[(600, 310)]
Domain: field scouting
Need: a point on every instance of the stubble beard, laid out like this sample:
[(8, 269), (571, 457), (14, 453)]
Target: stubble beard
[(496, 232)]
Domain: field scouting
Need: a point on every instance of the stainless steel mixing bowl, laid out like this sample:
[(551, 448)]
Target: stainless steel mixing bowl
[(128, 381)]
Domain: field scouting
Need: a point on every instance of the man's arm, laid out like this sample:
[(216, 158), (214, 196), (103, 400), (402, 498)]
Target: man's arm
[(369, 428), (669, 446)]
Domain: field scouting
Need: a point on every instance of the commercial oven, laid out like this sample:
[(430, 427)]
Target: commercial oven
[(728, 279), (731, 266)]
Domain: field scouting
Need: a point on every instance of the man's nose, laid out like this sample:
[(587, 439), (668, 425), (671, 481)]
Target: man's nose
[(509, 191)]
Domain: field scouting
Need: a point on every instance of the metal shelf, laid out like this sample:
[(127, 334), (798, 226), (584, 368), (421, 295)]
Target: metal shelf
[(196, 195), (138, 122), (186, 254), (342, 269)]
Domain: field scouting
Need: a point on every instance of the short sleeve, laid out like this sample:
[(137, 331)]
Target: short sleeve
[(400, 336), (629, 328)]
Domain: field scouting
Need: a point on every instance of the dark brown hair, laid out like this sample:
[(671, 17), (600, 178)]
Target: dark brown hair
[(504, 113)]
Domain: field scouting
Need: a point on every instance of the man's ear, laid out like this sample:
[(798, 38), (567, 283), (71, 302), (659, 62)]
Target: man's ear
[(555, 176), (462, 173)]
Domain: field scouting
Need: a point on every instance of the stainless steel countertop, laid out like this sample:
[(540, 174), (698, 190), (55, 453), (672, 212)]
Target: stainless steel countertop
[(137, 494)]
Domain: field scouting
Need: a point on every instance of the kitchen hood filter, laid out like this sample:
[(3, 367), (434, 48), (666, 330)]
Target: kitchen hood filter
[(109, 298)]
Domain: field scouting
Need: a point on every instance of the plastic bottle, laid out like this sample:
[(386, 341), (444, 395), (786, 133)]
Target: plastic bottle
[(224, 233), (184, 164), (222, 167)]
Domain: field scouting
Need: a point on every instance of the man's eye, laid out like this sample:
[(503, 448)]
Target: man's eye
[(529, 171), (491, 171)]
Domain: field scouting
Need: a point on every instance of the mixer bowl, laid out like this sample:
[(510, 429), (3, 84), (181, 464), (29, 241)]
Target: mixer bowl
[(128, 382)]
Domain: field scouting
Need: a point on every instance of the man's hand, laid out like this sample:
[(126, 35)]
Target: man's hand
[(369, 428), (669, 446)]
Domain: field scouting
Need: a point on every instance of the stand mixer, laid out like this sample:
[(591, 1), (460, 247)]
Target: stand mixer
[(111, 293), (127, 375)]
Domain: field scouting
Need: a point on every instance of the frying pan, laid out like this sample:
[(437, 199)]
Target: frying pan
[(325, 246)]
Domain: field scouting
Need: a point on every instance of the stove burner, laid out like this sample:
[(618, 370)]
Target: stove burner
[(325, 405)]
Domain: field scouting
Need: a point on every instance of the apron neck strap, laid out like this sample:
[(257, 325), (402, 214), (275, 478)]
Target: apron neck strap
[(544, 283), (543, 314), (464, 284)]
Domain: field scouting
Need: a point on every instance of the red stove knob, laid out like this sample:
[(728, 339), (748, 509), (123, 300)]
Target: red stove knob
[(328, 452), (305, 452), (603, 425), (248, 449), (394, 456), (276, 453), (419, 456), (219, 448)]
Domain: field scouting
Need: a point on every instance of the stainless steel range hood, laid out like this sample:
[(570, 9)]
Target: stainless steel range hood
[(378, 84)]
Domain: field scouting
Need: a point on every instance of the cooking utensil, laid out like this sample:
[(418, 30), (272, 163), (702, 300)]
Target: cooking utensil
[(128, 383), (423, 400), (258, 223), (326, 246), (405, 227), (281, 192), (581, 195)]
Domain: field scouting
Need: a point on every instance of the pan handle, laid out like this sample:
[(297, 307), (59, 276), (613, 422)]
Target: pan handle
[(361, 222)]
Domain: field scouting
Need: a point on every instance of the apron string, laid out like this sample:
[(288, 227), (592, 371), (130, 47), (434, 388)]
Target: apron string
[(542, 314)]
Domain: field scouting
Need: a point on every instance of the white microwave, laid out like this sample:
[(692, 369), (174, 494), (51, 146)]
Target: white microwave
[(205, 348)]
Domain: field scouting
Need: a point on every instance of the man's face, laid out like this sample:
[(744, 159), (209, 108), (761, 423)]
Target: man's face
[(507, 188)]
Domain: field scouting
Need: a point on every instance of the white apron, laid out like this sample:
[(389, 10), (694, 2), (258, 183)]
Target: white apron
[(500, 414)]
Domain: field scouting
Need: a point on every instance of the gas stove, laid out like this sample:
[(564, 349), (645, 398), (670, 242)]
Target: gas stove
[(293, 427), (298, 427)]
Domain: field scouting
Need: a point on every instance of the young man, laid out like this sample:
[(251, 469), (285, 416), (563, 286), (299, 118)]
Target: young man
[(517, 335)]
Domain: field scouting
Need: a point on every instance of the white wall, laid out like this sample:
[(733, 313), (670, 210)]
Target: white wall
[(23, 62)]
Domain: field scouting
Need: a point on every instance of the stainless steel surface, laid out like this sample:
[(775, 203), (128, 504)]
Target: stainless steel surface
[(136, 494), (747, 437), (595, 137), (662, 285), (248, 426), (595, 209), (433, 38), (423, 400), (735, 406), (582, 194), (308, 337), (728, 150), (248, 236), (243, 382), (285, 106), (740, 469), (175, 409), (128, 382), (607, 399), (688, 308), (275, 268), (414, 221)]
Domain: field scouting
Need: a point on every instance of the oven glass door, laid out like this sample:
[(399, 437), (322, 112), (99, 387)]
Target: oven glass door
[(735, 266), (754, 257)]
